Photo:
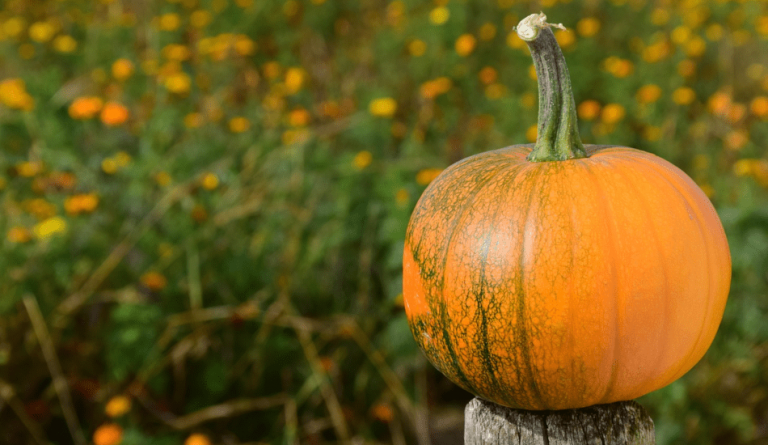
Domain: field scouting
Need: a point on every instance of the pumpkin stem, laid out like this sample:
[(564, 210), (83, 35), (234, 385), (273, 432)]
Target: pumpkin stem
[(558, 133)]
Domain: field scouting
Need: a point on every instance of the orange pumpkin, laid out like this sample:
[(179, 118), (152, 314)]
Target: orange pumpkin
[(557, 275)]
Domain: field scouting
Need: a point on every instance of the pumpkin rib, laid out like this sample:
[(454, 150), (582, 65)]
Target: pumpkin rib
[(629, 180), (444, 322), (435, 192), (501, 176), (661, 170), (607, 212), (521, 312)]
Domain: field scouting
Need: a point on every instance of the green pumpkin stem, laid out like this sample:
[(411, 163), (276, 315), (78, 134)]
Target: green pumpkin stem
[(558, 133)]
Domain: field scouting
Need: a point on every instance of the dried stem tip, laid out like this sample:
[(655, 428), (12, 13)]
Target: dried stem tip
[(528, 28)]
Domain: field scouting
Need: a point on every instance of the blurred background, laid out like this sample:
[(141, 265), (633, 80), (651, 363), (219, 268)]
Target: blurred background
[(204, 203)]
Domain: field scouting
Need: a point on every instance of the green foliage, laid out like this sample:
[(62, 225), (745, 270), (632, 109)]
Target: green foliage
[(208, 199)]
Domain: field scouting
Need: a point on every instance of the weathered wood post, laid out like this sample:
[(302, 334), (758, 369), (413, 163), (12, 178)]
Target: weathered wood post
[(619, 423)]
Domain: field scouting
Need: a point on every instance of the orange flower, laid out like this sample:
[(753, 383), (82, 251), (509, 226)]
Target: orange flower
[(84, 203), (589, 110), (683, 96), (113, 114), (488, 75), (122, 69), (154, 281), (19, 235), (612, 113), (85, 107), (299, 117), (427, 175), (759, 107), (13, 94), (648, 94), (382, 412), (197, 439), (109, 434), (719, 103), (436, 87), (465, 44)]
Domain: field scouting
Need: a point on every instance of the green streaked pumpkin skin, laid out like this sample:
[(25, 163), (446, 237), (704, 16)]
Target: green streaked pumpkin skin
[(558, 285)]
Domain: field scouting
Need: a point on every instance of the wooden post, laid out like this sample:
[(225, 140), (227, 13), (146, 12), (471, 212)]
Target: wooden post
[(620, 423)]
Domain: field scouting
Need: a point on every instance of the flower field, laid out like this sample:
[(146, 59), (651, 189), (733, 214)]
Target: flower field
[(204, 203)]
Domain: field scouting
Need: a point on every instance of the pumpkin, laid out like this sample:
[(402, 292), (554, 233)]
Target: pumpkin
[(556, 275)]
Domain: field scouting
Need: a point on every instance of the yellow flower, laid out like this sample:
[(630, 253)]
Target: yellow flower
[(49, 227), (239, 124), (648, 94), (244, 46), (383, 107), (532, 133), (362, 159), (652, 133), (680, 35), (487, 31), (495, 91), (565, 38), (465, 44), (294, 79), (122, 69), (13, 94), (200, 18), (122, 158), (695, 47), (427, 175), (14, 26), (618, 67), (439, 15), (41, 32), (117, 406), (417, 48), (19, 235), (401, 197), (290, 137), (744, 167), (683, 96), (64, 44), (169, 21), (588, 26), (176, 52), (109, 166), (612, 113), (193, 120), (178, 83), (761, 25), (528, 100), (28, 169), (714, 32), (210, 181), (162, 179)]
